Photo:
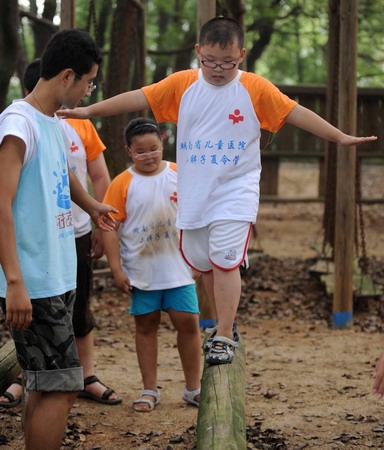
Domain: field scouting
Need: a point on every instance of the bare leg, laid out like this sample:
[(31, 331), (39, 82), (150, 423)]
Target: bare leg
[(189, 345), (146, 350), (85, 348), (225, 288), (208, 281), (46, 418)]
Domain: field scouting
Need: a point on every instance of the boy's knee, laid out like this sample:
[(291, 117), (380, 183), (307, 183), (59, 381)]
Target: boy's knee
[(188, 326), (147, 327)]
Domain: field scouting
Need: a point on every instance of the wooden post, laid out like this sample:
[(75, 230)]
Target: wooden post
[(346, 169), (221, 418), (9, 367), (67, 14), (332, 85)]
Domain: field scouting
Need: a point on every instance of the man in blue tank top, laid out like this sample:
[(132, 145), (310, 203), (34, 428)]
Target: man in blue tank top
[(37, 245)]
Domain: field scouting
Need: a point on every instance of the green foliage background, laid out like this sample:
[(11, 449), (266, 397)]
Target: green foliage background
[(296, 53)]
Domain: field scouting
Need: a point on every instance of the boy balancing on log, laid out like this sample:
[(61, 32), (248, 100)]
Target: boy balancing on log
[(219, 110)]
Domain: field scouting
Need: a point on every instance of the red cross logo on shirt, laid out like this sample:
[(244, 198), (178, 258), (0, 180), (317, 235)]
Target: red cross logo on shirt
[(236, 117), (73, 147)]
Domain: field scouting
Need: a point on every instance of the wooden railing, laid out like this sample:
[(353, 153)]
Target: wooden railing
[(292, 143)]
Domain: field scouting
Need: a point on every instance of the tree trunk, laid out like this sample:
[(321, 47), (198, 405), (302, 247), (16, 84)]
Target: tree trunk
[(102, 22), (9, 45), (265, 26), (126, 71), (42, 32), (162, 62)]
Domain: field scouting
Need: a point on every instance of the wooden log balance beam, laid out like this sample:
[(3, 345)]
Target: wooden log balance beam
[(9, 367), (221, 418)]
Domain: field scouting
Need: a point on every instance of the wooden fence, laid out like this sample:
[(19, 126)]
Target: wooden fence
[(294, 144)]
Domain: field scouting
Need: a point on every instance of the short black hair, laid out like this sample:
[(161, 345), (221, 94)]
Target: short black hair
[(69, 49), (32, 75), (223, 31), (139, 126)]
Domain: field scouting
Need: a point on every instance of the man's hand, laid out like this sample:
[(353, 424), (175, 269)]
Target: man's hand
[(101, 217), (378, 384), (18, 306), (122, 282), (97, 250)]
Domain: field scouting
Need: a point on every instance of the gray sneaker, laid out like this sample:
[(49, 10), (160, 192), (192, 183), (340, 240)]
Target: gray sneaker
[(221, 350), (209, 340)]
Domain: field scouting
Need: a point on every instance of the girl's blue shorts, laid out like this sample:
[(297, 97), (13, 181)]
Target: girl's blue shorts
[(182, 298)]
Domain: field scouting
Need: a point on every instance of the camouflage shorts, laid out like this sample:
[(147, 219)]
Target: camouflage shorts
[(47, 351)]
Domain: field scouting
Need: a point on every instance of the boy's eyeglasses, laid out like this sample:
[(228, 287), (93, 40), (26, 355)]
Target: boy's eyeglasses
[(142, 156), (223, 66)]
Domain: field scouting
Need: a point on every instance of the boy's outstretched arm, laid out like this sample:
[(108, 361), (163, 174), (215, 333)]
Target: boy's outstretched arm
[(99, 212), (123, 103), (308, 120)]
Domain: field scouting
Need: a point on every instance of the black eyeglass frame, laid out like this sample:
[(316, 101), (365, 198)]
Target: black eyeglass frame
[(213, 65)]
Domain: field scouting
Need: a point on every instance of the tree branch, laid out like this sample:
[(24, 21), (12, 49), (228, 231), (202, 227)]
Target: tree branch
[(42, 21)]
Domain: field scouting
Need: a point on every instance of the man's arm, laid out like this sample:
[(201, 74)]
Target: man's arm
[(98, 173), (131, 101), (18, 303), (308, 120), (99, 212)]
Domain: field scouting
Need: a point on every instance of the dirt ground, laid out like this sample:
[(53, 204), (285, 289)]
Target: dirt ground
[(307, 385)]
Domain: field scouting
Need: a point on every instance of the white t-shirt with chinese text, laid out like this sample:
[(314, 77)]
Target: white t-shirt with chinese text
[(218, 141), (149, 239)]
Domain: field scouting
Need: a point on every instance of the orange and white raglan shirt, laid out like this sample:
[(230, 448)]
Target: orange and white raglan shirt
[(86, 145), (149, 239), (218, 141)]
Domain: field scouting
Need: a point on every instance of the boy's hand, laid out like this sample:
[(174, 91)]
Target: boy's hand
[(18, 306), (378, 384), (101, 217), (75, 113), (347, 140), (122, 282)]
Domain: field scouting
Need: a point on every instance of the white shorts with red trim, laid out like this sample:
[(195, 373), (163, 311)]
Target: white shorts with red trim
[(222, 244)]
